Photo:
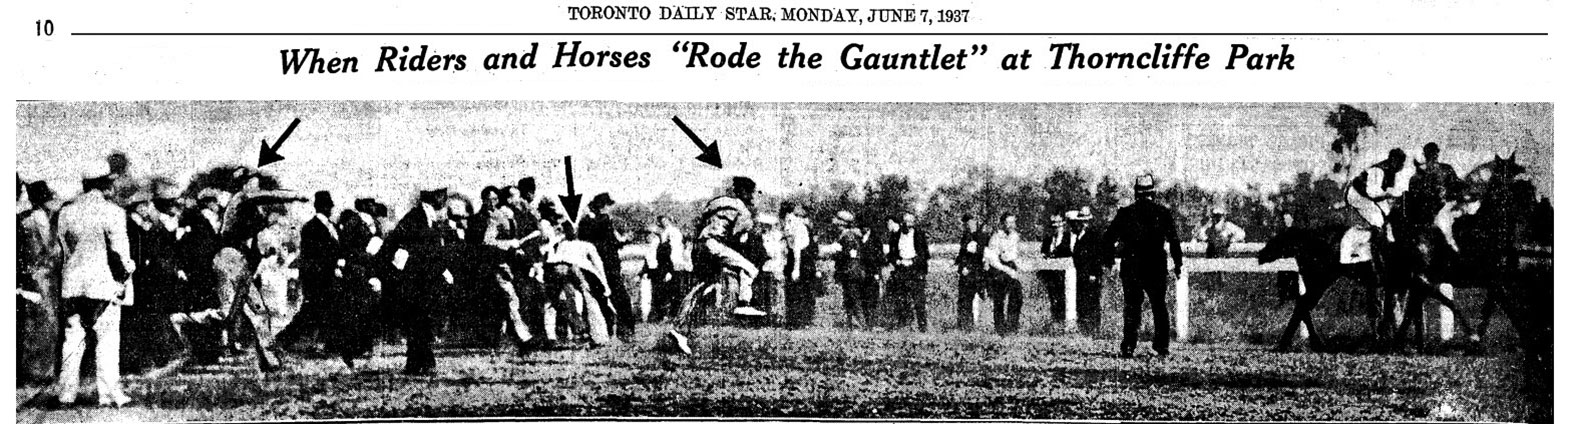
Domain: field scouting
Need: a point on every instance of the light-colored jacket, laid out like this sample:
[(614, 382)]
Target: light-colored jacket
[(88, 229)]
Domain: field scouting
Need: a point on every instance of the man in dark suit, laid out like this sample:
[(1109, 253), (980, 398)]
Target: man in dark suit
[(1057, 242), (420, 249), (908, 252), (969, 266), (1090, 260), (599, 229), (354, 296), (1141, 230), (321, 254), (199, 240)]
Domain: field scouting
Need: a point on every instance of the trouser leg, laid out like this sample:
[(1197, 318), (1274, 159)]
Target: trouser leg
[(624, 318), (515, 306), (919, 299), (965, 295), (848, 298), (1013, 305), (1161, 326), (597, 308), (871, 300), (1054, 286), (80, 314), (899, 295), (107, 353), (1133, 311), (1089, 300), (419, 329)]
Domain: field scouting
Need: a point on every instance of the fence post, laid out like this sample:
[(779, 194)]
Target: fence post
[(1070, 299), (1301, 290), (1182, 307), (1446, 319)]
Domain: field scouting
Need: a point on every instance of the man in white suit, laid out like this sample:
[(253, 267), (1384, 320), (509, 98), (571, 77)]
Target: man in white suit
[(98, 262)]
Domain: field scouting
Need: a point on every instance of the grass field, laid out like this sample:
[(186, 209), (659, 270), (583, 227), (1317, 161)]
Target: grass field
[(838, 373), (1227, 373)]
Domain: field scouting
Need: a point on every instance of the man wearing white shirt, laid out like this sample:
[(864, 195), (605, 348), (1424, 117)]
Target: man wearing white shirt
[(1004, 284), (1374, 193), (908, 253), (669, 256)]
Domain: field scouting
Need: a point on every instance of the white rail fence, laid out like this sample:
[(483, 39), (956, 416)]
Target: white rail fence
[(1193, 264)]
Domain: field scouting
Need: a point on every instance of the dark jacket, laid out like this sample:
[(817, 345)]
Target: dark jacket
[(321, 250), (1087, 252), (970, 254), (600, 231), (154, 253), (1139, 232), (360, 265), (199, 245), (919, 243), (1058, 244), (430, 248)]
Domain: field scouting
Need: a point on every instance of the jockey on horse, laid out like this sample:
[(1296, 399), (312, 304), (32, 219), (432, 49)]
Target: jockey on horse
[(718, 257), (1374, 195)]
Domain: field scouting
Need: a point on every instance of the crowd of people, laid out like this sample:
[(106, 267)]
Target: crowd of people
[(190, 277)]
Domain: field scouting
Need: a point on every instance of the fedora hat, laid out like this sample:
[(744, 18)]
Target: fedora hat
[(601, 200), (1085, 214)]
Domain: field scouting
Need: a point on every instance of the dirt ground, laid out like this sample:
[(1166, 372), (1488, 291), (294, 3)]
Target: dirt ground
[(740, 372)]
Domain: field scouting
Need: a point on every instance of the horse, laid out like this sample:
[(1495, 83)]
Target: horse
[(1492, 253), (1490, 241), (1317, 255), (1316, 251), (1418, 260)]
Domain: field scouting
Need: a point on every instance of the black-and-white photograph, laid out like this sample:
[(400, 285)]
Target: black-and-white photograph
[(509, 260)]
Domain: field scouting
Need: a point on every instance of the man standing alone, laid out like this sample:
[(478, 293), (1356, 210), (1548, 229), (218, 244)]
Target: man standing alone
[(98, 262), (420, 251), (321, 255), (1141, 229)]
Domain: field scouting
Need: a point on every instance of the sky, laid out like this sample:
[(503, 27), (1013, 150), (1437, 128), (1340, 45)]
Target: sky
[(391, 149)]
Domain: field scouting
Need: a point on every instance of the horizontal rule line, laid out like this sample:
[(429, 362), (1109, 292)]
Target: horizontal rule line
[(798, 34)]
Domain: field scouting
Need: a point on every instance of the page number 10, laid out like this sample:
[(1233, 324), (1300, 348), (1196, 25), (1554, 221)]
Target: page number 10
[(45, 27)]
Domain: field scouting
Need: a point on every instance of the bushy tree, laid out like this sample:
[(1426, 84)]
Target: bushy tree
[(888, 196)]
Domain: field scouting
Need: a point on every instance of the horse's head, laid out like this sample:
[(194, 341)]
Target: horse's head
[(1507, 195), (1498, 173)]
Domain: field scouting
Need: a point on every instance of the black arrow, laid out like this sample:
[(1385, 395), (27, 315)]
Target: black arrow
[(270, 154), (571, 200), (710, 151)]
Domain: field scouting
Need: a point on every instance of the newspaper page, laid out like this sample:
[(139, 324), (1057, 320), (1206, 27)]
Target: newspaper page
[(779, 210)]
